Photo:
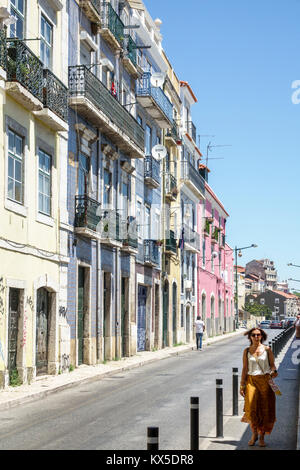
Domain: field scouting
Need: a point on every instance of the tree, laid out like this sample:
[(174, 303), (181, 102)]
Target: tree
[(258, 310)]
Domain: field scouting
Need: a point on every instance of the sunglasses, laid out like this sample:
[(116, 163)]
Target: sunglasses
[(255, 334)]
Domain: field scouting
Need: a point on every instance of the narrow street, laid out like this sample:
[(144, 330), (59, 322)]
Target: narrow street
[(114, 413)]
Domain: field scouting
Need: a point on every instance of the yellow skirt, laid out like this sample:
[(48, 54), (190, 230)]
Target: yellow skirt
[(260, 404)]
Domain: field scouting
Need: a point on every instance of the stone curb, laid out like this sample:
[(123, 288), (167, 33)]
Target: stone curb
[(161, 354)]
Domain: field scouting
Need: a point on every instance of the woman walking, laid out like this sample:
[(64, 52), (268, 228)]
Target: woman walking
[(258, 367)]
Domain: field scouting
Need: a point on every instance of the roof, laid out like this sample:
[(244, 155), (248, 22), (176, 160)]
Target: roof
[(284, 294), (185, 84)]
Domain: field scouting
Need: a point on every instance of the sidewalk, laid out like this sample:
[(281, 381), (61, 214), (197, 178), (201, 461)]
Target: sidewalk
[(48, 384), (286, 432)]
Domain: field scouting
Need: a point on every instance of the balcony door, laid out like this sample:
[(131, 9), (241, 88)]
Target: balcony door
[(83, 174)]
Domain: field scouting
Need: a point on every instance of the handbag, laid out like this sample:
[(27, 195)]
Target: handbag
[(271, 382)]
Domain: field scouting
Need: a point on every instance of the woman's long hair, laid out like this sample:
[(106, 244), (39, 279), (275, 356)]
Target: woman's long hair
[(264, 335)]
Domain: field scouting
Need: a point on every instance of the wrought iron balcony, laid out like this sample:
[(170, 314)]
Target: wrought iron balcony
[(130, 56), (92, 9), (128, 234), (87, 214), (151, 252), (171, 187), (55, 100), (152, 172), (112, 27), (172, 134), (92, 100), (191, 239), (191, 130), (171, 243), (25, 69), (193, 179), (3, 48), (155, 101), (110, 232)]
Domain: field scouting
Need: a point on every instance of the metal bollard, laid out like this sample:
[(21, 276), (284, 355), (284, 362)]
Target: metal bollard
[(194, 423), (219, 407), (273, 346), (152, 438), (235, 391)]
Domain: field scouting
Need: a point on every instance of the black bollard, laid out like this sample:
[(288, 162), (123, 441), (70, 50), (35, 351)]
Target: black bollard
[(194, 423), (219, 407), (235, 391), (273, 346), (152, 438)]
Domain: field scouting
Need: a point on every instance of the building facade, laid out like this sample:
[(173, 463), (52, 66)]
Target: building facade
[(215, 268), (34, 115)]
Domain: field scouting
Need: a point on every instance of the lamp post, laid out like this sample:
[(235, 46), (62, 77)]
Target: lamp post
[(236, 250), (295, 265)]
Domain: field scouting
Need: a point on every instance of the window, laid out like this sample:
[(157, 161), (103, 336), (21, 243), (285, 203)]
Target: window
[(107, 189), (139, 218), (46, 42), (83, 174), (148, 140), (44, 183), (17, 8), (124, 200), (147, 230), (15, 167), (203, 253)]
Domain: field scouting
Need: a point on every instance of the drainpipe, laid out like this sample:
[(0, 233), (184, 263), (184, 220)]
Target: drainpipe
[(99, 295)]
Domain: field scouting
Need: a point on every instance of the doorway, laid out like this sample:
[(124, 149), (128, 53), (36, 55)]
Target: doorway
[(42, 331)]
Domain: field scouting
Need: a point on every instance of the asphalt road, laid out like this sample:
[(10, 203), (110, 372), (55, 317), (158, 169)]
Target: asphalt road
[(113, 413)]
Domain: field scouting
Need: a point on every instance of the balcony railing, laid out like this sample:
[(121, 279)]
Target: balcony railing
[(151, 252), (191, 130), (171, 185), (191, 237), (3, 48), (110, 226), (128, 233), (191, 175), (130, 48), (111, 20), (152, 171), (55, 96), (24, 67), (171, 243), (173, 132), (87, 213), (82, 82), (145, 88)]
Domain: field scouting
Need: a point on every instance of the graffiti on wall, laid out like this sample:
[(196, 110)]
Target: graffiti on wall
[(2, 295), (63, 312), (65, 362)]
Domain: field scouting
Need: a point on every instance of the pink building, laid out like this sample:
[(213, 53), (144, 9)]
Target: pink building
[(215, 274)]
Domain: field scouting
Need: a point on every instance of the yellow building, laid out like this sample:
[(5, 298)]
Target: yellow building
[(173, 327), (33, 146)]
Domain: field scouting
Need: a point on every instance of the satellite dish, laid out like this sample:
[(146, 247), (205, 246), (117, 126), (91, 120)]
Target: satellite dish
[(157, 79), (159, 151)]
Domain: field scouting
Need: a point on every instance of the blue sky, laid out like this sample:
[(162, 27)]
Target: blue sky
[(241, 58)]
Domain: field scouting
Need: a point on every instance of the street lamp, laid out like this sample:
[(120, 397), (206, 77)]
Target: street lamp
[(296, 280), (295, 265), (236, 250)]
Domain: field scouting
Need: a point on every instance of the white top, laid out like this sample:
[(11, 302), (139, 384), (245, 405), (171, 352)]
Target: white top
[(199, 326), (263, 360)]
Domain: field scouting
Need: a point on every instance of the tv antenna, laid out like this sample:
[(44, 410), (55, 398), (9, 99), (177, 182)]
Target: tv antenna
[(209, 149)]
